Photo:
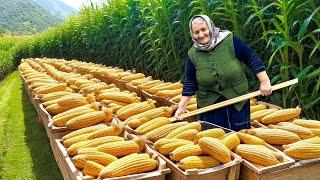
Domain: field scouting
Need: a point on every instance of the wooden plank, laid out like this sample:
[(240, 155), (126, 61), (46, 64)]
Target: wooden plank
[(135, 89), (237, 99)]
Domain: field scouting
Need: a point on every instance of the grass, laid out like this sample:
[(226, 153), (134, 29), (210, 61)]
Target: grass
[(24, 147)]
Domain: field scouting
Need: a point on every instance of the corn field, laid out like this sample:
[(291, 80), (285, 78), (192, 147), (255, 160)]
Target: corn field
[(152, 36)]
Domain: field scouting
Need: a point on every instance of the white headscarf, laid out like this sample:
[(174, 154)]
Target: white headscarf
[(216, 34)]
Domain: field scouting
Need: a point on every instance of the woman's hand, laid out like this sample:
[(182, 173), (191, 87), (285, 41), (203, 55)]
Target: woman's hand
[(179, 112), (265, 85), (265, 88)]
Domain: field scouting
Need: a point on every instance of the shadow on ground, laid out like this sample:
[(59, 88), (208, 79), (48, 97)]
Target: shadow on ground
[(44, 164)]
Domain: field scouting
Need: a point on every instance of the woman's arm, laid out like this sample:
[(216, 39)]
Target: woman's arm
[(251, 59), (190, 86)]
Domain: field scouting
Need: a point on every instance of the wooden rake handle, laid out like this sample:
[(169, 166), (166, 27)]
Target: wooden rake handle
[(236, 99)]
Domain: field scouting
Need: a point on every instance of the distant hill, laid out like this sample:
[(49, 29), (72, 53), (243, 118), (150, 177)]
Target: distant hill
[(57, 8), (25, 17)]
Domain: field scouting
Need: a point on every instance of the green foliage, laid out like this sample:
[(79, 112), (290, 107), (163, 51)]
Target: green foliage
[(6, 54), (25, 17), (24, 146), (153, 37)]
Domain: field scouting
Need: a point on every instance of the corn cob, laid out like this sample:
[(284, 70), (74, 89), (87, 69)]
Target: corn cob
[(92, 168), (120, 96), (307, 123), (96, 142), (198, 162), (39, 84), (169, 93), (192, 107), (231, 141), (314, 140), (215, 133), (302, 132), (257, 115), (169, 86), (185, 151), (83, 131), (303, 151), (168, 148), (33, 80), (139, 119), (315, 131), (151, 125), (215, 148), (107, 102), (89, 119), (113, 130), (131, 164), (281, 115), (54, 95), (250, 139), (80, 82), (176, 98), (71, 99), (62, 118), (149, 84), (69, 90), (161, 142), (136, 82), (162, 131), (95, 87), (67, 143), (257, 107), (122, 148), (123, 74), (193, 125), (54, 109), (257, 154), (135, 108), (133, 77), (103, 159), (189, 134), (274, 136), (50, 88)]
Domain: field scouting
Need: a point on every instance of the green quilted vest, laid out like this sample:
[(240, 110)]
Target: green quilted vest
[(219, 73)]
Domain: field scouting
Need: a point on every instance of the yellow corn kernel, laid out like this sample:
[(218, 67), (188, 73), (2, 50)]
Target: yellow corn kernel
[(274, 136), (231, 141), (258, 154), (250, 139), (281, 116), (307, 123), (198, 162), (215, 133), (89, 119), (215, 148), (257, 107), (185, 151)]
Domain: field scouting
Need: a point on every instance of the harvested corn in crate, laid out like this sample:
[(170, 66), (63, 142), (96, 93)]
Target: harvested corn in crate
[(113, 155), (189, 159)]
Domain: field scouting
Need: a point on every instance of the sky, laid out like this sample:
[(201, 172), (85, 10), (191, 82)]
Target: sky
[(78, 3)]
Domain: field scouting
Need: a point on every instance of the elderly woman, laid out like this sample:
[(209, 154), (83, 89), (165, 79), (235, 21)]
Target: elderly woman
[(214, 73)]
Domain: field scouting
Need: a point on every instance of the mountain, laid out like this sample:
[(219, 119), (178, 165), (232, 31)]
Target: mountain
[(25, 17), (57, 8)]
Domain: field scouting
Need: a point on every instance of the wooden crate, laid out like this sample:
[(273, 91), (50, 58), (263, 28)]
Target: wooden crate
[(309, 169), (52, 131), (301, 170), (69, 171), (230, 171), (135, 89)]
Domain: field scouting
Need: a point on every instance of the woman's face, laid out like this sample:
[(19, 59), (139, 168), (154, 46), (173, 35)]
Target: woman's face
[(201, 33)]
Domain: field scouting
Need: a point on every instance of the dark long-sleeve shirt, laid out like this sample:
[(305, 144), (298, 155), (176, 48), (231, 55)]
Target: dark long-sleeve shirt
[(243, 53)]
